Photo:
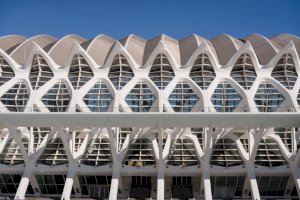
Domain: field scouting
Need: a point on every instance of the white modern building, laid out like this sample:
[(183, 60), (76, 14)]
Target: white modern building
[(150, 119)]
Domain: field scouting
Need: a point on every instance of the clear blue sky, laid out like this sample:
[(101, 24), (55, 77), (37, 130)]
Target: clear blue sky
[(177, 18)]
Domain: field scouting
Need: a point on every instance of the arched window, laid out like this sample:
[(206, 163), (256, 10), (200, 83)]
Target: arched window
[(80, 72), (120, 72), (57, 98), (40, 72), (140, 153), (182, 153), (243, 71), (267, 98), (269, 154), (202, 71), (183, 98), (161, 72), (225, 98), (54, 153), (16, 98), (285, 71), (98, 98), (140, 98), (97, 153), (11, 154), (225, 154), (6, 72)]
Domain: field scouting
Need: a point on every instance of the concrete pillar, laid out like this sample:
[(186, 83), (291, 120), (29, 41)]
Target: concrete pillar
[(253, 185), (113, 193), (68, 185), (296, 176), (160, 185), (21, 192), (205, 182)]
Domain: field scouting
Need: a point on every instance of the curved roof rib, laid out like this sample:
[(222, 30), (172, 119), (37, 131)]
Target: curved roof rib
[(10, 42), (60, 50), (99, 47), (226, 46), (135, 45), (188, 46), (20, 53), (264, 48), (170, 43), (284, 39)]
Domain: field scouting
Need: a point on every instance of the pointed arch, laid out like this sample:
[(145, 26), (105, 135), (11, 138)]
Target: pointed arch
[(202, 71), (11, 154), (161, 72), (120, 72), (243, 71), (80, 71), (225, 153), (139, 153), (285, 71), (182, 153), (40, 72), (97, 153), (54, 153)]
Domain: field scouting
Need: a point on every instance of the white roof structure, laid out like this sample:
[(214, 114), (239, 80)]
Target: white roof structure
[(162, 118)]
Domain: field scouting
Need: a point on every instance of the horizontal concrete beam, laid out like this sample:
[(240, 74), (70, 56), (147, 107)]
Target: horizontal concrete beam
[(164, 120)]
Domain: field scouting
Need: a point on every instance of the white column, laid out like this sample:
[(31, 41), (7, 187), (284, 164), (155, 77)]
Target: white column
[(205, 182), (68, 185), (160, 185), (113, 193), (20, 194), (253, 184), (296, 176)]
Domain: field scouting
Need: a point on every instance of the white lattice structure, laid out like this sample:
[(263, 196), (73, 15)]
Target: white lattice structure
[(160, 119)]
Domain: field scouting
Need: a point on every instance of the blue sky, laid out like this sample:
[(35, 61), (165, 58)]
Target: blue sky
[(176, 18)]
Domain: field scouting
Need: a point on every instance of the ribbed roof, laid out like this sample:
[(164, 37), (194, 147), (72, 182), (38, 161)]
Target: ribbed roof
[(20, 53), (223, 46)]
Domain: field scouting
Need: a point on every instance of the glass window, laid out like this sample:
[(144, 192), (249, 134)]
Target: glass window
[(139, 153), (182, 153), (98, 98), (120, 72), (285, 71), (202, 71), (140, 98), (80, 72), (57, 98), (161, 72), (40, 72), (267, 98), (243, 71), (225, 98), (16, 98), (225, 154), (183, 98)]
